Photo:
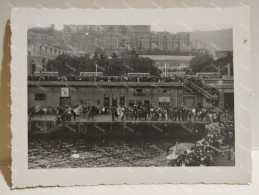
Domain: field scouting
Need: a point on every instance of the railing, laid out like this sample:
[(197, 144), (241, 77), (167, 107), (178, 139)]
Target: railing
[(215, 82), (203, 91), (139, 93), (227, 81), (44, 117)]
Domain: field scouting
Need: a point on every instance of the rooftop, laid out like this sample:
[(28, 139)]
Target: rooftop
[(108, 84), (168, 57)]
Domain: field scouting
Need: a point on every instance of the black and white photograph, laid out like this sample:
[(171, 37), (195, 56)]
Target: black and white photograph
[(130, 96)]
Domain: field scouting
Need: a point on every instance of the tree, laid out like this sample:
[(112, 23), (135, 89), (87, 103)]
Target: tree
[(49, 66), (133, 54), (200, 61), (130, 62), (114, 56), (223, 62)]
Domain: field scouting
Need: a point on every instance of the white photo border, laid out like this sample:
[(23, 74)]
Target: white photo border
[(237, 17)]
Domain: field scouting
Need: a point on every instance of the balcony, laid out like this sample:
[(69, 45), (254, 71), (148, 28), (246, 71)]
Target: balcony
[(138, 93), (103, 84)]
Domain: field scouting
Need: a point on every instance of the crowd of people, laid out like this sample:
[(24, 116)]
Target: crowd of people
[(64, 114), (43, 110), (175, 79), (129, 113), (196, 156), (219, 139), (159, 113), (106, 78)]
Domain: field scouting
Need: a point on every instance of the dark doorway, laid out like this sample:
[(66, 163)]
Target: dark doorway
[(122, 100), (229, 101), (33, 68), (146, 102), (106, 101), (65, 102), (139, 102), (114, 100)]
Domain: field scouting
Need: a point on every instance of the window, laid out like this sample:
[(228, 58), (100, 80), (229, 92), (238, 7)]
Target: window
[(106, 100), (146, 102), (164, 91), (114, 100), (122, 100), (40, 97), (139, 102), (131, 102), (164, 104), (139, 92)]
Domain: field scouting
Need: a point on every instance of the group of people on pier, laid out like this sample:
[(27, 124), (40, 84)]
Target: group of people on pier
[(220, 139), (159, 113), (135, 112)]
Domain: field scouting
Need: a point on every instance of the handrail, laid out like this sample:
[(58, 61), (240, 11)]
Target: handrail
[(203, 91)]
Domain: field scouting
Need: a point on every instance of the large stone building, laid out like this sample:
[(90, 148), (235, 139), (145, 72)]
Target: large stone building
[(44, 44), (118, 38), (39, 54), (169, 64), (197, 45), (47, 43)]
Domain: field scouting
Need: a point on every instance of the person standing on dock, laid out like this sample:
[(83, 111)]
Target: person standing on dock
[(113, 113), (74, 114), (135, 111), (122, 113), (92, 112)]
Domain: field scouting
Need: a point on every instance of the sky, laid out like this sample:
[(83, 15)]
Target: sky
[(173, 28), (187, 28)]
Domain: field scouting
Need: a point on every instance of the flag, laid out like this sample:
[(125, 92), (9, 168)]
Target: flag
[(37, 108), (228, 69), (78, 110)]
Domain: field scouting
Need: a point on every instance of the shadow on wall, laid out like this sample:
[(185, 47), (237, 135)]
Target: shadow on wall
[(5, 103)]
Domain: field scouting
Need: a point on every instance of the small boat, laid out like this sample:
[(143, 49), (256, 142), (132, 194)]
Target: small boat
[(177, 150), (75, 156), (172, 156)]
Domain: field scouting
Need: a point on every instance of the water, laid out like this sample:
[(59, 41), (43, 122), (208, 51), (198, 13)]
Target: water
[(75, 153)]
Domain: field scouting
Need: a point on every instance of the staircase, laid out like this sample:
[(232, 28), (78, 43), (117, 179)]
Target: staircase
[(199, 89)]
